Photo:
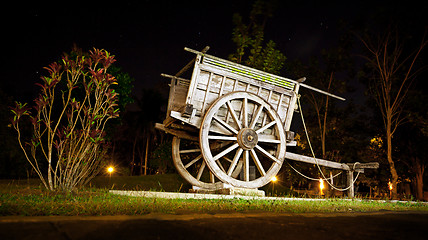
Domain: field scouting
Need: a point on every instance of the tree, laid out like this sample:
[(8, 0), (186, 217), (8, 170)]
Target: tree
[(413, 137), (69, 131), (251, 49), (138, 134), (328, 72), (393, 71)]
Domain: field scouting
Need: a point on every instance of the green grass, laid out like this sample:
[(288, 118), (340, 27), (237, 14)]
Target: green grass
[(164, 182), (28, 198)]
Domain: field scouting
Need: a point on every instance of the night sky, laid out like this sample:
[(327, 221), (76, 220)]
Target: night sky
[(148, 37)]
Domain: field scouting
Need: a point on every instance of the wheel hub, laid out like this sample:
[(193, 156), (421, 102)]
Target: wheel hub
[(247, 138)]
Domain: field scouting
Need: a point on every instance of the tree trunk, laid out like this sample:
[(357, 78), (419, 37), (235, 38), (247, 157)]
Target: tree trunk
[(145, 156), (394, 174), (146, 136), (419, 170), (133, 154), (419, 186), (324, 130), (51, 186)]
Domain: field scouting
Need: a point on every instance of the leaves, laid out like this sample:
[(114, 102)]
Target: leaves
[(18, 111), (249, 40)]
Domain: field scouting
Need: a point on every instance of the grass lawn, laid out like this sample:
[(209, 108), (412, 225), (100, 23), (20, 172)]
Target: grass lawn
[(29, 198)]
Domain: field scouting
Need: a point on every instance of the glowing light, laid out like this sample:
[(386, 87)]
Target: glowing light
[(321, 187), (321, 184), (274, 179), (390, 186), (110, 170)]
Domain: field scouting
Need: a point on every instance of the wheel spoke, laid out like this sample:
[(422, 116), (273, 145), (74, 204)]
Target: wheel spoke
[(268, 154), (226, 125), (225, 138), (266, 127), (227, 159), (232, 112), (268, 139), (246, 166), (193, 161), (235, 161), (257, 162), (212, 178), (201, 170), (245, 113), (192, 171), (221, 166), (226, 151), (190, 151), (256, 117)]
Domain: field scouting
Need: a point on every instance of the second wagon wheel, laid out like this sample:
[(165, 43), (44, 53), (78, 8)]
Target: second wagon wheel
[(189, 163), (251, 133)]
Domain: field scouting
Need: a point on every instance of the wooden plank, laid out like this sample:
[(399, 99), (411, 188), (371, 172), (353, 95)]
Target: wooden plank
[(372, 165), (359, 167), (179, 133), (171, 96), (193, 81), (291, 108), (207, 91), (321, 162), (223, 82), (243, 79)]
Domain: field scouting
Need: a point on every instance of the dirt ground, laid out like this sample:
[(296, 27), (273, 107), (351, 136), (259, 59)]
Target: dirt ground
[(377, 225)]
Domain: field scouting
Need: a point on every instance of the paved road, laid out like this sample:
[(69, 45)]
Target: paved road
[(379, 225)]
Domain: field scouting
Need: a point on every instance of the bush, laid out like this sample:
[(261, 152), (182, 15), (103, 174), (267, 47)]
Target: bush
[(71, 112)]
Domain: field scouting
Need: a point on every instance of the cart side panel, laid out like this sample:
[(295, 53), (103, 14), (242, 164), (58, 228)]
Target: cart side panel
[(177, 97), (212, 84)]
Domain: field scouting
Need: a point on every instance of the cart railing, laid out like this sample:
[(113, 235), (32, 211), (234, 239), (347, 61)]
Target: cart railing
[(255, 74), (249, 72)]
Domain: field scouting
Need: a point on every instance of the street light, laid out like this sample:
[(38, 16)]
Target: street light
[(110, 170), (273, 180)]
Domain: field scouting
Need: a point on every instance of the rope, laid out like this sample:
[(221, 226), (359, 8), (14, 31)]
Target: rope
[(316, 161), (310, 178)]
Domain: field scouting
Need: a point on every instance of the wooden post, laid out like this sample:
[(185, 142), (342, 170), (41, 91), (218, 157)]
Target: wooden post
[(350, 183)]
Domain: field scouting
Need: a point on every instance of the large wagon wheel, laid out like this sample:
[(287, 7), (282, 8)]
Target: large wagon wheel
[(251, 132), (189, 163)]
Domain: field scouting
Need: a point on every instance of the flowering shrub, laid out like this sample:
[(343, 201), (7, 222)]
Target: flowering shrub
[(70, 114)]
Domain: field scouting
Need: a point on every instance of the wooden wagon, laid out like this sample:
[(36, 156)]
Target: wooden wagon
[(231, 123)]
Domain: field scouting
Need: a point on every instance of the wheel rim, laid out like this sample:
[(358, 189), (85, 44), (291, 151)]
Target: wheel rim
[(250, 132), (189, 163)]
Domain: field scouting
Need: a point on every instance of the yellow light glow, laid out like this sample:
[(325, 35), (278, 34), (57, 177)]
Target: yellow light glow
[(110, 169), (274, 179), (390, 186), (321, 184)]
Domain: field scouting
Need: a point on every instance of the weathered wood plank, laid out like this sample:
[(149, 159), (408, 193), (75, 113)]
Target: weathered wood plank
[(176, 132), (251, 81), (321, 162)]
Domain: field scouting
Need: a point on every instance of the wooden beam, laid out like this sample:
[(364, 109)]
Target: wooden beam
[(321, 162), (179, 133), (190, 64), (371, 165)]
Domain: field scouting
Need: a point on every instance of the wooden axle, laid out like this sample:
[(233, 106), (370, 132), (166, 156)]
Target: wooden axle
[(356, 167), (350, 168)]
